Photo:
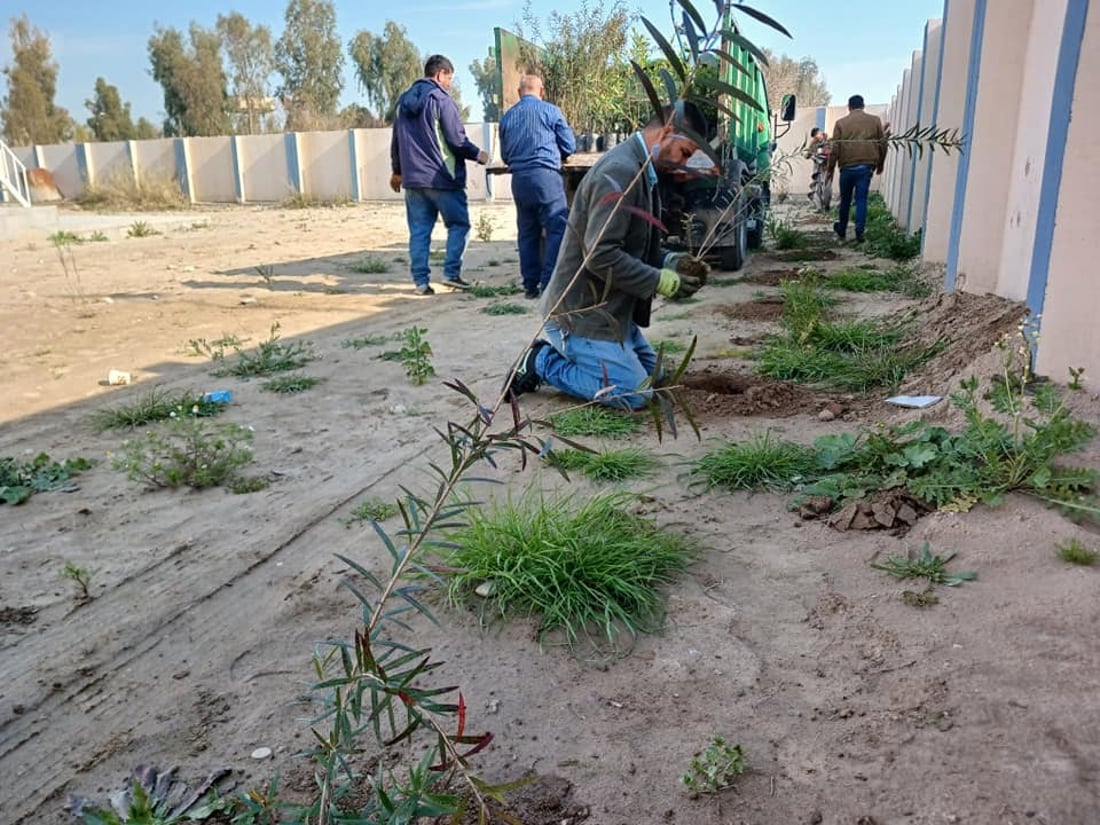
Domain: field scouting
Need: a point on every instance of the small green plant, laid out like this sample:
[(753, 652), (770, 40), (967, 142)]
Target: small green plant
[(290, 383), (416, 355), (487, 291), (214, 350), (670, 347), (19, 480), (1073, 551), (579, 567), (373, 509), (97, 237), (156, 798), (63, 243), (267, 273), (884, 237), (370, 265), (505, 309), (64, 238), (157, 404), (715, 769), (484, 228), (784, 235), (921, 598), (1076, 378), (140, 229), (594, 421), (364, 341), (605, 465), (241, 485), (758, 463), (187, 453), (923, 565), (270, 356), (81, 577), (437, 256)]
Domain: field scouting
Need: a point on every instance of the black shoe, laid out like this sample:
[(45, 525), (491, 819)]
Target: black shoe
[(840, 233), (859, 237), (457, 282), (532, 294), (426, 289), (525, 378)]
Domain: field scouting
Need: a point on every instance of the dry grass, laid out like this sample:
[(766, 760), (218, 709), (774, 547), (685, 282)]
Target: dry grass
[(152, 193)]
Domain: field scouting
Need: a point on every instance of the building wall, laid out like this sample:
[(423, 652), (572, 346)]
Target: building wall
[(261, 160), (922, 161), (211, 166)]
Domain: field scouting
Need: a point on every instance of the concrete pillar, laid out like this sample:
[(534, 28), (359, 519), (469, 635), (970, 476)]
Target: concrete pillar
[(1063, 278), (353, 157), (135, 167), (238, 168), (909, 174), (184, 170), (930, 64), (85, 164), (992, 145), (293, 163), (1033, 131), (903, 174), (897, 152), (958, 23)]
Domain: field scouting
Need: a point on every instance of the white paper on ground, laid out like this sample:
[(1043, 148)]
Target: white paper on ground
[(915, 401)]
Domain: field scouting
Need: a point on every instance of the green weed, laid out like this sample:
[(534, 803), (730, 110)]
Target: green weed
[(19, 480), (594, 421), (416, 355), (371, 265), (715, 769), (81, 577), (288, 384), (606, 465), (97, 237), (784, 235), (157, 404), (505, 309), (758, 463), (364, 341), (63, 238), (484, 228), (373, 509), (884, 237), (924, 565), (140, 229), (581, 568), (187, 453), (1074, 551), (270, 356), (487, 291)]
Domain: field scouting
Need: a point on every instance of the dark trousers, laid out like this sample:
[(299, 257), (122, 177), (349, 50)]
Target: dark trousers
[(854, 181), (539, 195)]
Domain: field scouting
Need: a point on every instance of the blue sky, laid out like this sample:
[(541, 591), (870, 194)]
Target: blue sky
[(862, 46)]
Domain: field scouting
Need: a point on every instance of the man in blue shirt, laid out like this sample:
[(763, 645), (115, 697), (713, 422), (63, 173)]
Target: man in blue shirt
[(534, 139), (428, 155)]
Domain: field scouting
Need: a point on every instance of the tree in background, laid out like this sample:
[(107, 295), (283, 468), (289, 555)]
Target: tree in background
[(583, 62), (385, 66), (250, 55), (193, 79), (456, 96), (787, 76), (486, 77), (310, 58), (29, 114), (110, 118)]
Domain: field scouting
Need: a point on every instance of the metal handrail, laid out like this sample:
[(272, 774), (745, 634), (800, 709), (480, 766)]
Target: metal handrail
[(13, 176)]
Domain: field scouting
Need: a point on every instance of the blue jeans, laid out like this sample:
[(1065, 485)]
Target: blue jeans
[(422, 208), (588, 368), (539, 195), (854, 180)]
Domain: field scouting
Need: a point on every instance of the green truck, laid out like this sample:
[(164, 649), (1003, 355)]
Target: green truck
[(722, 214)]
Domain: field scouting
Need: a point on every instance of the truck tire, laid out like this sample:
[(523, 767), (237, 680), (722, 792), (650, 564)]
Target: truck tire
[(732, 258), (754, 238)]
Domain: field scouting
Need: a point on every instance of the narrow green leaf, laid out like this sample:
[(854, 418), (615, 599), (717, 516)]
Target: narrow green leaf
[(722, 87), (763, 18), (670, 53), (654, 101), (747, 45), (693, 13)]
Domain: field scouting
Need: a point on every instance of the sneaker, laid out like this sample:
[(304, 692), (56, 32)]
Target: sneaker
[(425, 289), (859, 237), (457, 282), (525, 378), (840, 233), (532, 294)]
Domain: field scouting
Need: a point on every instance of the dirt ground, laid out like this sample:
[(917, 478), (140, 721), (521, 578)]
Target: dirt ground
[(852, 706)]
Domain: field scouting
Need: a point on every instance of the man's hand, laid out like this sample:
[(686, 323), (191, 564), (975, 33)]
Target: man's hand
[(669, 283), (482, 157), (693, 267), (689, 285), (395, 182)]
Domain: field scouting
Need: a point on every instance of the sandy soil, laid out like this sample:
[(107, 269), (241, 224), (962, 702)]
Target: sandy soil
[(852, 706)]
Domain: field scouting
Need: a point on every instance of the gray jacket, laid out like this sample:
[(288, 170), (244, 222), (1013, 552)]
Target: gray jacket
[(617, 285)]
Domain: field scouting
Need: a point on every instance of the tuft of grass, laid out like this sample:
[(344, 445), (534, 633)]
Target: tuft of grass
[(594, 421), (370, 265), (158, 404), (242, 485), (505, 309), (924, 565), (140, 229), (669, 347), (154, 193), (63, 238), (290, 383), (902, 279), (437, 256), (487, 291), (757, 463), (784, 235), (373, 509), (271, 356), (606, 465), (588, 569), (1073, 551), (884, 237), (97, 237), (364, 341)]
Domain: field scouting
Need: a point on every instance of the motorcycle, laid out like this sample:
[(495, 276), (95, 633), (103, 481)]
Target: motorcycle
[(821, 187)]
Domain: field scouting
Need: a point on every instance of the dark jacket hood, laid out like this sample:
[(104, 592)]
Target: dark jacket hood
[(413, 101)]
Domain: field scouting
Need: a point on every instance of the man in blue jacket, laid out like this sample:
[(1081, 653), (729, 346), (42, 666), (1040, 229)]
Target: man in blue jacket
[(428, 155), (534, 139)]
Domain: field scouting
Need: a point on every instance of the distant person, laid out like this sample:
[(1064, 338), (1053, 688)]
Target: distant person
[(534, 140), (817, 150), (858, 147), (428, 155), (602, 289)]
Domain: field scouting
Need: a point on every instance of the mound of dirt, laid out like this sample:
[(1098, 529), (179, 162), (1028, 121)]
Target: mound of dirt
[(803, 255), (714, 394), (773, 277), (762, 309)]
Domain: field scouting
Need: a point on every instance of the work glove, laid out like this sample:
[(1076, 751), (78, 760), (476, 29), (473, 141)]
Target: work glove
[(395, 182), (669, 283), (689, 285), (687, 264)]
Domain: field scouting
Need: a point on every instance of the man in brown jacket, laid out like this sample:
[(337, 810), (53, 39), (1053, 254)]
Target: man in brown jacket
[(859, 149)]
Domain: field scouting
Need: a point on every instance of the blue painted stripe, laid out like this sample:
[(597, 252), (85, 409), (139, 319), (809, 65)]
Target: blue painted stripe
[(353, 159), (1065, 81), (820, 122), (82, 163), (972, 74), (915, 161), (935, 117), (293, 170), (238, 179), (183, 174)]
